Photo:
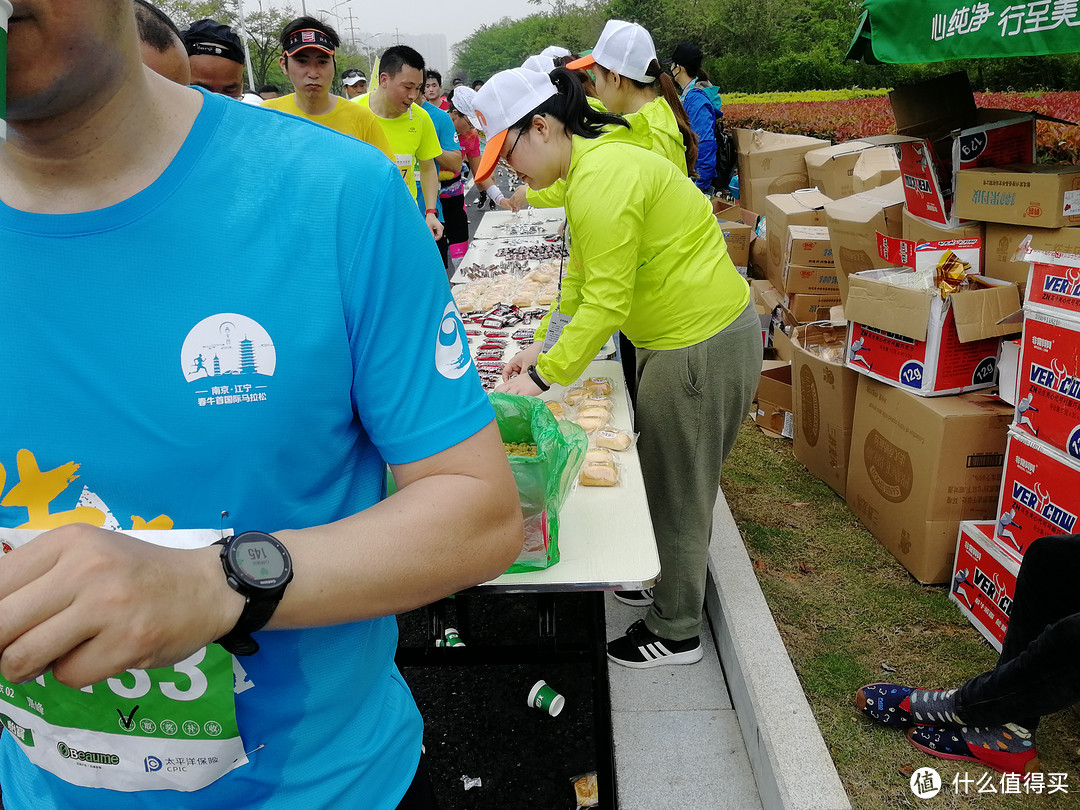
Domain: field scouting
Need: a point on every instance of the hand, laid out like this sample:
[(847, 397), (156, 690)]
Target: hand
[(507, 205), (562, 229), (521, 361), (89, 603), (521, 384), (517, 199), (434, 226)]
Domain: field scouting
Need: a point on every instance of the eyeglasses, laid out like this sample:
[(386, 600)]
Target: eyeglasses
[(504, 161)]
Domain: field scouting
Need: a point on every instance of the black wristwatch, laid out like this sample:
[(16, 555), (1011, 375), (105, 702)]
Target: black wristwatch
[(258, 567), (534, 375)]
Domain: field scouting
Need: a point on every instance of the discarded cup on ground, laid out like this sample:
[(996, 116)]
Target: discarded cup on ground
[(5, 14), (543, 697), (452, 639)]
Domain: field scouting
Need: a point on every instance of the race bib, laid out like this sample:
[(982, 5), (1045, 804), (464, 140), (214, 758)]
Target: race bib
[(405, 165), (171, 728)]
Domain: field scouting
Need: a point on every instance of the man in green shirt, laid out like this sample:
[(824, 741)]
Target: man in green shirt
[(408, 127)]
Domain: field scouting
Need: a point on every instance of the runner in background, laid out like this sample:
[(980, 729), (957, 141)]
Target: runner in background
[(450, 203), (469, 131), (433, 89), (216, 56), (408, 127), (161, 47), (308, 387), (650, 261), (307, 58), (355, 83)]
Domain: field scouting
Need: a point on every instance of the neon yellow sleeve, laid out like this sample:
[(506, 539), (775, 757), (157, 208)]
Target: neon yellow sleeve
[(550, 197)]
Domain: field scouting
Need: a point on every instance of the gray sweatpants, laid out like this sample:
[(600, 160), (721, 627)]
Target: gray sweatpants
[(690, 404)]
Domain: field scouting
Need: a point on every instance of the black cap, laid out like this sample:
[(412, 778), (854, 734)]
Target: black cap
[(210, 38), (688, 55)]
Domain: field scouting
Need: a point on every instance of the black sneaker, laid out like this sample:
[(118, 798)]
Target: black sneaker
[(640, 648), (636, 598)]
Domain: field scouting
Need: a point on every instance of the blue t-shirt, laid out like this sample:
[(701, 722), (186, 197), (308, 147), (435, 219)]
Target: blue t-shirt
[(210, 345), (448, 140)]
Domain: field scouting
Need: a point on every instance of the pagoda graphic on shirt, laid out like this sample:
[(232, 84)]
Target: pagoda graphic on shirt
[(227, 345)]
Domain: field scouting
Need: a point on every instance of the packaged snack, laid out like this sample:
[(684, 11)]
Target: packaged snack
[(613, 439), (598, 401), (575, 395), (594, 412), (592, 423), (599, 475), (598, 455), (556, 409), (599, 385)]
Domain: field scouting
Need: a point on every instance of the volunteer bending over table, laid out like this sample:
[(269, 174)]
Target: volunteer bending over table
[(653, 264)]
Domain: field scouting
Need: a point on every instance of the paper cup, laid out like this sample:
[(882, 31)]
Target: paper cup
[(543, 697), (5, 13), (452, 638)]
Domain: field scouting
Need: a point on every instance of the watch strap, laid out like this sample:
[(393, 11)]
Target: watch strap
[(253, 617), (534, 375)]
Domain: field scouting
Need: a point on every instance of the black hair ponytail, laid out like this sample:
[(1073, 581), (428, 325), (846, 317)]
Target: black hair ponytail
[(570, 107)]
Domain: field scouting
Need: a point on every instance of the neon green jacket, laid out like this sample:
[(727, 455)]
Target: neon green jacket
[(653, 126), (653, 261)]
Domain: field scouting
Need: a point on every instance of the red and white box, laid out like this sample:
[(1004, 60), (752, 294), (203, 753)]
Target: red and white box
[(912, 339), (1053, 282), (924, 256), (984, 580), (1048, 387), (1040, 494)]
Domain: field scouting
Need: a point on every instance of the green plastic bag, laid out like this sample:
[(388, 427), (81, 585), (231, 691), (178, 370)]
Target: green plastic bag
[(543, 482)]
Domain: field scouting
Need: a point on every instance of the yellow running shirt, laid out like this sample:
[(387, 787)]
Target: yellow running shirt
[(412, 138), (346, 118)]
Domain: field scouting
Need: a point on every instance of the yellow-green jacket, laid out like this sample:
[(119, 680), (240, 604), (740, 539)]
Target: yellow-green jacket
[(652, 260)]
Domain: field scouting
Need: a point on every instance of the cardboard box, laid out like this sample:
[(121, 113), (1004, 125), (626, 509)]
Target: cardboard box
[(919, 230), (738, 226), (774, 402), (875, 168), (807, 307), (823, 394), (984, 580), (941, 132), (803, 207), (1048, 386), (1002, 241), (808, 246), (831, 168), (854, 223), (1040, 494), (919, 466), (912, 339), (925, 256), (1054, 288), (1039, 195), (771, 163), (1008, 369), (812, 280)]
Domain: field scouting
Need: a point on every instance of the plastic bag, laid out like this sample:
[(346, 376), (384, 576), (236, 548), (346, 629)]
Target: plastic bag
[(543, 481)]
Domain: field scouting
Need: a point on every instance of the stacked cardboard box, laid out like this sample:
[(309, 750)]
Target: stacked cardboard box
[(771, 163), (800, 261), (984, 580)]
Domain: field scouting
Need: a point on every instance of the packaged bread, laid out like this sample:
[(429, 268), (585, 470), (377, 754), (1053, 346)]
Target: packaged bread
[(597, 401), (598, 455), (525, 295), (599, 475), (601, 414), (591, 423), (575, 395), (556, 408), (600, 385), (547, 295), (539, 275), (613, 439)]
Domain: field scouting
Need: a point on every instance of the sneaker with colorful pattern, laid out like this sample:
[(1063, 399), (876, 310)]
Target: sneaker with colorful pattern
[(1008, 749), (887, 703)]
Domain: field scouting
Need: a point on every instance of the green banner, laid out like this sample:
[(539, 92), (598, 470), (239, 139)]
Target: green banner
[(914, 31)]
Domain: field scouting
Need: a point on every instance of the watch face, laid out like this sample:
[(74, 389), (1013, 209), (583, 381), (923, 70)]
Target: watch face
[(258, 558)]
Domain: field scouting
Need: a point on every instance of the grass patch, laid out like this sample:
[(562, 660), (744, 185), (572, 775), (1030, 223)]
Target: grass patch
[(850, 614)]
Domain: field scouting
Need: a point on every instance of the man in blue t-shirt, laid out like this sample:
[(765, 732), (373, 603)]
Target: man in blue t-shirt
[(200, 569)]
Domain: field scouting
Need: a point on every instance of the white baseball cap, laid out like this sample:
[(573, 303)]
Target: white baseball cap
[(624, 48), (464, 99), (539, 63), (505, 99), (554, 51)]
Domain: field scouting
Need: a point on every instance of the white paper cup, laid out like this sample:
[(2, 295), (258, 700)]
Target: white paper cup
[(543, 697), (453, 638), (5, 13)]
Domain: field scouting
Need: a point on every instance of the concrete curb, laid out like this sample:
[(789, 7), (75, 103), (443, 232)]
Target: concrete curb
[(791, 763)]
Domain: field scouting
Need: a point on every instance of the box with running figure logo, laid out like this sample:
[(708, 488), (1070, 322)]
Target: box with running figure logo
[(1048, 382), (914, 340), (1054, 284), (1040, 494), (984, 580)]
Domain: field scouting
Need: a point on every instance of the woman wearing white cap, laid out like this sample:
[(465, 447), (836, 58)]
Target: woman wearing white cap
[(653, 264)]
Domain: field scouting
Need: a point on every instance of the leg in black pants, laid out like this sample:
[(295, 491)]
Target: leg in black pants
[(1039, 669), (420, 795)]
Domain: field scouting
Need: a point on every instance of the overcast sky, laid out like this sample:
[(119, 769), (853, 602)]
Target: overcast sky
[(454, 18)]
